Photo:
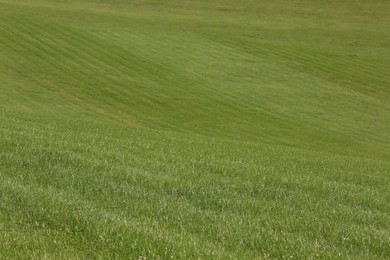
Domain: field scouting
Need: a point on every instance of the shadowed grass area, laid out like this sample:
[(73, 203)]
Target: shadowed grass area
[(194, 129)]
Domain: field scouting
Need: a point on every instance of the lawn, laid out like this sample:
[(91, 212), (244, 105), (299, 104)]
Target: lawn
[(194, 129)]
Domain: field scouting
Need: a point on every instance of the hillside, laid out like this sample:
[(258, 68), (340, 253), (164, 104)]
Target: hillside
[(194, 129)]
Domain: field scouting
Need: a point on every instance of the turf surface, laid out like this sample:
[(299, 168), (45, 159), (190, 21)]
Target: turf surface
[(194, 129)]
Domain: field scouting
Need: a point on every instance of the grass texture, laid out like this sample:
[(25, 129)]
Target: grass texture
[(194, 129)]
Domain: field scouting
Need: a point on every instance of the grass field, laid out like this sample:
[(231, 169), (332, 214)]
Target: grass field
[(194, 129)]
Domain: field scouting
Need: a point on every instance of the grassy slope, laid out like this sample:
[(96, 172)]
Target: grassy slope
[(194, 129)]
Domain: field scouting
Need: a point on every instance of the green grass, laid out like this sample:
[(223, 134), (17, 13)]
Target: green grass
[(194, 129)]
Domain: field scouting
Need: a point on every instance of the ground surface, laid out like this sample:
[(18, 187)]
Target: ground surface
[(194, 129)]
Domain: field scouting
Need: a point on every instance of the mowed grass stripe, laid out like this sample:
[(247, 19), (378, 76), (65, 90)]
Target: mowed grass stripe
[(357, 72), (40, 51), (146, 68), (169, 85), (319, 90), (318, 58), (48, 85), (299, 56), (76, 62), (254, 133), (221, 89)]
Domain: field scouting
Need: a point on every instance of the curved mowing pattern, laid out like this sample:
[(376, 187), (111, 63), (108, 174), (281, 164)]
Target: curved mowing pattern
[(194, 129)]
